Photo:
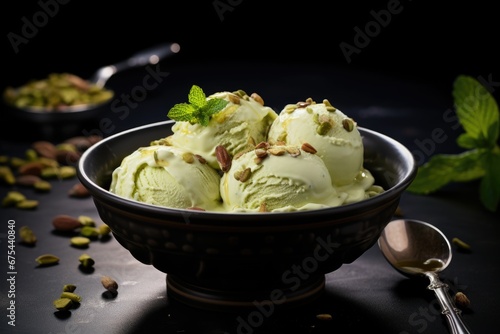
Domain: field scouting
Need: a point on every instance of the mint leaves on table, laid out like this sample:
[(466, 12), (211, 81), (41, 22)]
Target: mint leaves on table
[(199, 109), (478, 114)]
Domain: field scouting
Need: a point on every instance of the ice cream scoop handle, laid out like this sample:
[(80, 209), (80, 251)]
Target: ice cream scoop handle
[(448, 308)]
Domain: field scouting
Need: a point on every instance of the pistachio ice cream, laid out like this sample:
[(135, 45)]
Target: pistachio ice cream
[(167, 176), (243, 123), (278, 178), (333, 134)]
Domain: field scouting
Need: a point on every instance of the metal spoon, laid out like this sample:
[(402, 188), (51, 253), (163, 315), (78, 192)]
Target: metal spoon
[(414, 247), (149, 56)]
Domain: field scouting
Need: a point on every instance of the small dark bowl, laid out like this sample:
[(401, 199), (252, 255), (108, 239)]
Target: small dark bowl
[(56, 125), (227, 260)]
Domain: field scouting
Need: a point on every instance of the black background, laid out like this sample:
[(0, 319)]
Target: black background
[(424, 41)]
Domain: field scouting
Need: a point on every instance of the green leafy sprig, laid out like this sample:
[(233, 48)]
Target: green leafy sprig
[(199, 109), (478, 114)]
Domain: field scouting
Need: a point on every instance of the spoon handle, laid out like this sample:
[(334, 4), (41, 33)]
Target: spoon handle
[(448, 308), (148, 56)]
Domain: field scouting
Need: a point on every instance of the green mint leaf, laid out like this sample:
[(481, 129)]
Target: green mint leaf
[(442, 169), (197, 97), (466, 141), (214, 106), (199, 109), (489, 188), (477, 111), (182, 112)]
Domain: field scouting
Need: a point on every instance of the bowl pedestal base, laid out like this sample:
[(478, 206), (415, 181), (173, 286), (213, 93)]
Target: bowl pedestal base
[(248, 297)]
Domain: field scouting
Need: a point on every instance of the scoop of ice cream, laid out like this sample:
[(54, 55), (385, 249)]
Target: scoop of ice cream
[(243, 123), (167, 176), (328, 130), (278, 178)]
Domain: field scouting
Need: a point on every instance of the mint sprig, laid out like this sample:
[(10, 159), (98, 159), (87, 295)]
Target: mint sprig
[(478, 114), (199, 109)]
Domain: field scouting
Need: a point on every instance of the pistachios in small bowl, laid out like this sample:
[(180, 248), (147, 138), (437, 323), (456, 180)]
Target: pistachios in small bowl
[(59, 92)]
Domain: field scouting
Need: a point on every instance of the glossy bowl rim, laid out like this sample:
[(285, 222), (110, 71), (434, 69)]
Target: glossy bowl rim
[(100, 193)]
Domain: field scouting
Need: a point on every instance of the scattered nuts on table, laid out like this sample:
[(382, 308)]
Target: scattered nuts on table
[(47, 260), (63, 304), (89, 232), (461, 300), (69, 288), (86, 220), (27, 204), (86, 261), (324, 316), (66, 223), (71, 295), (80, 242), (27, 235), (461, 244), (109, 284), (79, 191), (43, 162), (68, 298)]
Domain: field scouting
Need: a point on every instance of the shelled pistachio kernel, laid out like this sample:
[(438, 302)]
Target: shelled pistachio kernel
[(6, 175), (89, 232), (12, 198), (86, 220), (16, 162), (104, 230), (86, 261), (67, 172), (188, 157), (72, 296), (48, 162), (69, 288), (27, 235), (323, 128), (31, 154), (47, 259), (50, 172), (66, 147), (80, 242), (329, 106), (63, 304), (461, 244), (348, 124), (42, 185), (289, 108), (27, 204)]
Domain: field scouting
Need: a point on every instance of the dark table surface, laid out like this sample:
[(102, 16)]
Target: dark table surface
[(366, 295)]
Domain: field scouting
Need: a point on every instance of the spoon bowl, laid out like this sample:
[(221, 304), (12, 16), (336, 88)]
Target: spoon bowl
[(416, 248)]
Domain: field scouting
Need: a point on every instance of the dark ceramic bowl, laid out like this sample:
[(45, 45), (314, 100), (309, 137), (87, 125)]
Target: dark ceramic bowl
[(227, 260), (56, 125)]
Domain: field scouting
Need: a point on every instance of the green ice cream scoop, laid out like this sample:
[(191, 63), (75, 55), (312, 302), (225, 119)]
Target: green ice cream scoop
[(242, 124), (167, 176), (332, 133), (286, 178)]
